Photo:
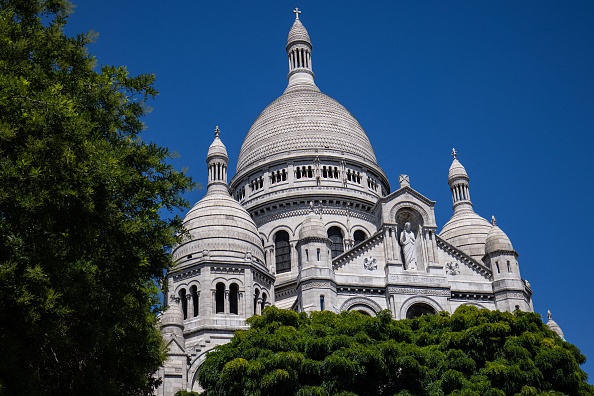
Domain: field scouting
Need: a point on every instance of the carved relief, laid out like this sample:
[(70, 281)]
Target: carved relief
[(370, 263), (452, 268)]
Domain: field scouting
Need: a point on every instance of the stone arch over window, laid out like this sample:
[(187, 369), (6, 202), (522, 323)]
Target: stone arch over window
[(183, 296), (195, 301), (220, 298), (361, 304), (282, 251), (336, 241), (234, 299), (419, 309), (425, 302), (359, 236), (413, 208)]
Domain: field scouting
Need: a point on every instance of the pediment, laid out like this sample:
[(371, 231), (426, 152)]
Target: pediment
[(461, 257), (174, 348)]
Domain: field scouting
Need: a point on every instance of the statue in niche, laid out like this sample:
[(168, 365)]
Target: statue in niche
[(407, 240)]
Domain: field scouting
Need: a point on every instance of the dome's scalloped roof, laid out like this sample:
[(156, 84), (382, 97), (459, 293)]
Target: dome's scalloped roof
[(298, 33), (220, 225), (497, 240), (456, 170), (217, 148), (467, 231), (304, 121), (312, 227)]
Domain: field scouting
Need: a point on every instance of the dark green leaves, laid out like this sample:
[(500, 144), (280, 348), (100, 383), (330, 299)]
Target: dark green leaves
[(472, 352)]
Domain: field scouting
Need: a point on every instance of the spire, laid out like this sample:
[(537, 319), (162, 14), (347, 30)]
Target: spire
[(458, 180), (299, 52), (217, 161)]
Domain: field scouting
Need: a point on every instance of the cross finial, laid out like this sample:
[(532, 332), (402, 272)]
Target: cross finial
[(454, 153), (296, 12), (549, 315), (217, 131), (493, 220)]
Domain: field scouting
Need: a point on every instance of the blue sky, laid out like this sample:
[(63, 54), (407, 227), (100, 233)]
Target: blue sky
[(509, 84)]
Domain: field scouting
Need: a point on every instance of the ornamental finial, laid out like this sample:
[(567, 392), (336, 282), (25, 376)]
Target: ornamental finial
[(549, 315), (454, 153), (493, 220), (217, 131), (296, 12)]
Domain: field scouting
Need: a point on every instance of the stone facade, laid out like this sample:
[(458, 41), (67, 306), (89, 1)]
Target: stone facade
[(309, 223)]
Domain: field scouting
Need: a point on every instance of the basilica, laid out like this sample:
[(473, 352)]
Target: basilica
[(309, 222)]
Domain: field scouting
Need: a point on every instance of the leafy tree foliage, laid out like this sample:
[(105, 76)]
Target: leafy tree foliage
[(469, 353), (82, 241)]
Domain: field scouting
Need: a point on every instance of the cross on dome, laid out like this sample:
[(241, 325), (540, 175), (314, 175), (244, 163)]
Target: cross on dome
[(454, 153), (493, 220), (296, 12), (217, 131)]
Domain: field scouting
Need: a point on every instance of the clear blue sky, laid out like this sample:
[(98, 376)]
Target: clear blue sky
[(509, 84)]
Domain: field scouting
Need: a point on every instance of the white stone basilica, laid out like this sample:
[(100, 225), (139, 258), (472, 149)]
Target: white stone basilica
[(309, 223)]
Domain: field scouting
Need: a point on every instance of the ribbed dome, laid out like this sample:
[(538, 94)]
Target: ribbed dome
[(497, 240), (217, 148), (219, 225), (312, 227), (172, 317), (304, 121), (298, 33), (467, 231), (552, 325), (456, 170)]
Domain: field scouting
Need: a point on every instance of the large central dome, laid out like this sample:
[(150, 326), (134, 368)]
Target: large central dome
[(303, 121)]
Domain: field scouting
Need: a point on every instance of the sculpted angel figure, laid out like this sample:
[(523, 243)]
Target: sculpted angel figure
[(407, 240)]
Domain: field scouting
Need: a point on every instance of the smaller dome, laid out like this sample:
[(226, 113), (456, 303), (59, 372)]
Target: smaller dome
[(456, 170), (497, 240), (298, 33), (217, 148), (553, 326), (172, 317), (312, 227), (467, 231)]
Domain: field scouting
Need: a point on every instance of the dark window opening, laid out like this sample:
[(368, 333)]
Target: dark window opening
[(359, 236), (282, 250), (220, 298), (336, 241), (419, 309), (194, 292), (234, 298), (184, 302)]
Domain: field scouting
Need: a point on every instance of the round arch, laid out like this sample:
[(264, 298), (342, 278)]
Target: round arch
[(410, 206), (418, 300), (281, 227), (361, 304)]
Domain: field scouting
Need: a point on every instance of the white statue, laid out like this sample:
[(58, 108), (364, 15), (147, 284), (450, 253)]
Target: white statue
[(407, 240)]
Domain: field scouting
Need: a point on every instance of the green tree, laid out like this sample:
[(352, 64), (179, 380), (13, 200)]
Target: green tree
[(82, 241), (469, 353)]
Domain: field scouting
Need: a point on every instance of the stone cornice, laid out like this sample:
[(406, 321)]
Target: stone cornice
[(466, 259), (347, 256)]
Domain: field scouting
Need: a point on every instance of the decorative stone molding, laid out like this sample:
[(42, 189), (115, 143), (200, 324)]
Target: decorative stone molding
[(360, 290), (317, 285), (419, 291), (407, 279), (370, 263), (452, 268), (464, 258), (351, 302), (472, 296), (261, 278), (355, 252), (226, 270), (179, 276)]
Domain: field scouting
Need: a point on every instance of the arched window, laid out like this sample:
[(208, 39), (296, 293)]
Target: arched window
[(359, 236), (220, 298), (419, 309), (282, 250), (256, 296), (194, 293), (234, 298), (321, 302), (263, 301), (336, 237), (184, 302)]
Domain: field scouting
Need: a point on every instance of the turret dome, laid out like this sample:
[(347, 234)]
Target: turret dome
[(312, 227), (220, 229), (497, 240)]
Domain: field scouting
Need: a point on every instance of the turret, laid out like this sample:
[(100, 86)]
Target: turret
[(299, 53), (315, 266), (510, 291)]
